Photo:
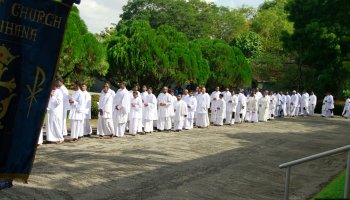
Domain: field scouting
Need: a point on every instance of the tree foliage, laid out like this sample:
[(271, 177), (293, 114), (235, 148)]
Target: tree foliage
[(82, 56), (322, 40)]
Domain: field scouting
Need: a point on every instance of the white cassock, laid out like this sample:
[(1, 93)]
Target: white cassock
[(231, 107), (203, 104), (294, 101), (323, 111), (241, 108), (214, 97), (41, 137), (165, 111), (288, 100), (252, 109), (87, 130), (220, 112), (105, 123), (135, 115), (174, 99), (304, 104), (312, 104), (258, 95), (346, 110), (66, 107), (181, 112), (227, 96), (54, 117), (283, 106), (297, 112), (76, 114), (329, 106), (263, 109), (278, 104), (272, 106), (191, 107), (149, 112), (121, 109)]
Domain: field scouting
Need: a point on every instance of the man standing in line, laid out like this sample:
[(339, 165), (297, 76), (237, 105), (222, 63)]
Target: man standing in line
[(135, 114), (191, 102), (214, 97), (105, 112), (304, 104), (329, 106), (203, 104), (165, 110), (231, 107), (55, 116), (312, 103), (181, 112), (288, 101), (66, 105), (121, 105), (149, 111), (220, 111), (263, 110), (294, 101), (87, 130), (77, 111), (241, 107)]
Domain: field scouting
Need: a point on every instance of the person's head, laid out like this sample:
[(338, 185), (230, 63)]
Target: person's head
[(271, 93), (172, 92), (76, 85), (233, 92), (135, 94), (204, 90), (135, 88), (165, 90), (257, 89), (178, 97), (227, 89), (252, 94), (144, 88), (217, 88), (328, 93), (54, 86), (106, 87), (191, 93), (287, 93), (265, 93), (186, 92), (197, 89), (221, 96), (294, 92), (122, 85), (83, 87), (149, 90), (312, 93), (59, 82)]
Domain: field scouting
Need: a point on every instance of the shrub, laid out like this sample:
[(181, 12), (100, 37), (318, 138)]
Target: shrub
[(94, 106)]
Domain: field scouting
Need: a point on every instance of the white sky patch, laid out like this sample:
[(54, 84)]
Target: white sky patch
[(99, 14)]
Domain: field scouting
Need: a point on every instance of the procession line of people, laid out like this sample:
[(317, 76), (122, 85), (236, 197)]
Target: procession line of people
[(134, 112)]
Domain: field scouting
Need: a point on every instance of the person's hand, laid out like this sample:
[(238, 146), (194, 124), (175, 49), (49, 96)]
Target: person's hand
[(117, 107), (51, 95), (146, 104), (230, 101), (185, 115), (101, 112), (214, 99), (71, 101), (133, 105)]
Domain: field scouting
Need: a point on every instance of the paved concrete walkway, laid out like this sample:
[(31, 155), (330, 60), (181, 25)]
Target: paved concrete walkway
[(238, 162)]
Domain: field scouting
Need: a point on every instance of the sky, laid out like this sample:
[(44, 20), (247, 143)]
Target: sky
[(99, 14)]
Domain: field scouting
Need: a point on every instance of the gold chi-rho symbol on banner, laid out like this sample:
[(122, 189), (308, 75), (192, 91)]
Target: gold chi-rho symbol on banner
[(36, 88)]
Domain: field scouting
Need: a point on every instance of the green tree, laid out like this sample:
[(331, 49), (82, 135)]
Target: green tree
[(250, 44), (321, 39), (82, 56)]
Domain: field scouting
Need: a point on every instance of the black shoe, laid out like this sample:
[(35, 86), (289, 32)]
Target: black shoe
[(5, 184)]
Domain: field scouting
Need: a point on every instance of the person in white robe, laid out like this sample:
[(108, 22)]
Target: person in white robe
[(283, 105), (278, 104), (213, 99), (165, 110), (294, 101), (323, 110), (41, 137), (220, 111), (135, 88), (197, 91), (77, 112), (312, 103), (241, 107), (174, 99), (346, 110), (272, 105), (329, 106), (288, 106), (258, 94), (185, 95), (263, 109), (135, 114), (231, 107), (105, 115), (54, 116), (191, 102), (121, 105), (149, 111), (304, 104), (181, 112), (203, 104), (87, 130), (252, 108), (298, 110), (66, 105)]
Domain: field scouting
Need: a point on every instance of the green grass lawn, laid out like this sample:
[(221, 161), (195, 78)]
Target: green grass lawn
[(334, 190)]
